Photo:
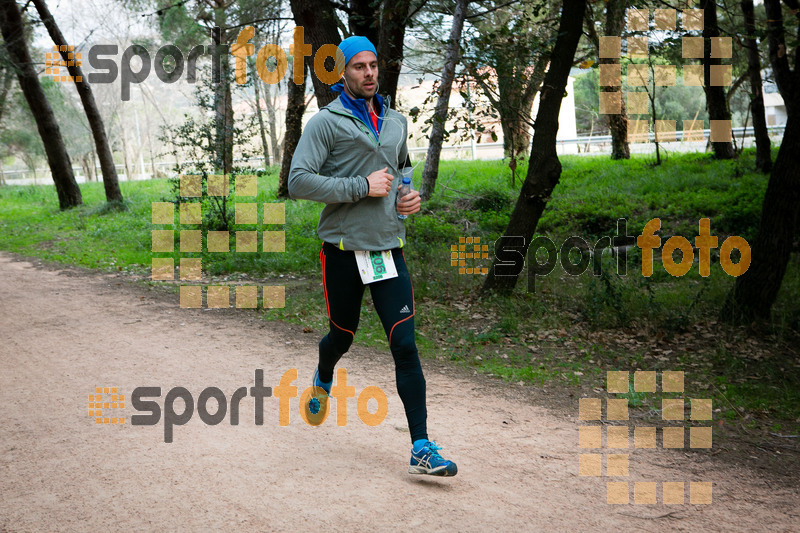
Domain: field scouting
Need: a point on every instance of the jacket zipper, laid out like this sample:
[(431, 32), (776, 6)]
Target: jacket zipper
[(355, 118), (361, 121)]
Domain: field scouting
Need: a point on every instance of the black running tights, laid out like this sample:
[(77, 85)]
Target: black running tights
[(394, 302)]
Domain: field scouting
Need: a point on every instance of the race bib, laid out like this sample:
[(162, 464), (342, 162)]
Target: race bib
[(375, 266)]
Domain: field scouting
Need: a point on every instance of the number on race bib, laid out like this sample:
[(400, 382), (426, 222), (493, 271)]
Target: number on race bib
[(375, 266)]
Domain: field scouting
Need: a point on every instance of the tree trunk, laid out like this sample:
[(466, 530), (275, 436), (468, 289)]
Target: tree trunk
[(110, 180), (363, 20), (516, 132), (69, 195), (30, 162), (785, 79), (544, 168), (272, 101), (264, 146), (228, 121), (390, 47), (755, 291), (439, 118), (296, 107), (514, 104), (8, 77), (651, 94), (763, 145), (125, 153), (223, 106), (154, 174), (617, 123), (86, 164), (514, 101), (319, 20), (715, 94), (93, 164)]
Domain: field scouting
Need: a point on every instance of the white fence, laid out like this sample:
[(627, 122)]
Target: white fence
[(600, 144), (594, 145)]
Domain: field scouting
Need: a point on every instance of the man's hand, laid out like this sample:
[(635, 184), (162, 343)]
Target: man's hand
[(380, 183), (409, 204)]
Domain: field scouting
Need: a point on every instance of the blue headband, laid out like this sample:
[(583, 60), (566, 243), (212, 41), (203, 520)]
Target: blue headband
[(354, 45), (350, 47)]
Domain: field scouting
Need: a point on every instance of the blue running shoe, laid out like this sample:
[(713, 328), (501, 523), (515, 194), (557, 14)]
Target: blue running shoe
[(320, 396), (428, 461)]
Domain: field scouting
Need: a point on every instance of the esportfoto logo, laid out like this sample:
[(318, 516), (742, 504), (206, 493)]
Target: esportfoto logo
[(107, 70), (143, 400), (510, 259), (617, 441)]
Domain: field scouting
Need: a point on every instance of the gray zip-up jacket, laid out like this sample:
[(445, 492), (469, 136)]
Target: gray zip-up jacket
[(335, 154)]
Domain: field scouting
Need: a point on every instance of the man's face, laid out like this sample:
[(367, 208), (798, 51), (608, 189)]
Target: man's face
[(361, 76)]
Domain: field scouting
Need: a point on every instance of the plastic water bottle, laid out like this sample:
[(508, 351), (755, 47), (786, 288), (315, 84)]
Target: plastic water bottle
[(406, 188)]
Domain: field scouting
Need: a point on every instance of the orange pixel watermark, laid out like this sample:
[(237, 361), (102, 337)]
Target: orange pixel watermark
[(299, 50), (459, 254), (149, 412), (66, 58), (99, 407), (617, 439), (638, 75), (191, 238)]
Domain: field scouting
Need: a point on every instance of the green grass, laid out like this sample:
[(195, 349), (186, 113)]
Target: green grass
[(94, 237), (538, 337), (89, 236)]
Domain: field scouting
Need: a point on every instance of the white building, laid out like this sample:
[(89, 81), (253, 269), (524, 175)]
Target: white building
[(775, 109), (414, 95)]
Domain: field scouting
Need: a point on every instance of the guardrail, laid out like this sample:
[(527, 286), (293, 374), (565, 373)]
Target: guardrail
[(471, 150), (738, 133)]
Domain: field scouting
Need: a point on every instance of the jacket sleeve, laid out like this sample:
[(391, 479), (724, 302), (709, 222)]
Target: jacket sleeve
[(305, 181), (403, 155)]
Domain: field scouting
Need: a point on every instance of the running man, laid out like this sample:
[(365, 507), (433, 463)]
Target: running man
[(348, 156)]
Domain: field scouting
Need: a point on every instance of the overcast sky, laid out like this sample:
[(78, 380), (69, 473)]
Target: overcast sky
[(102, 19)]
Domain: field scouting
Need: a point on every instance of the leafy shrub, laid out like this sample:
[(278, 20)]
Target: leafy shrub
[(492, 200)]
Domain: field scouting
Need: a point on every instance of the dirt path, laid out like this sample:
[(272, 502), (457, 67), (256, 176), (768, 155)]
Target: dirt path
[(64, 333)]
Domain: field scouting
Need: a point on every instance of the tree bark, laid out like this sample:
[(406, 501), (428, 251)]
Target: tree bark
[(715, 94), (390, 47), (544, 168), (763, 145), (223, 105), (93, 163), (319, 20), (513, 101), (264, 146), (125, 152), (296, 107), (514, 104), (439, 118), (617, 123), (110, 180), (516, 135), (8, 76), (363, 20), (785, 79), (756, 290), (516, 125), (272, 100), (86, 164), (228, 139), (12, 27)]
